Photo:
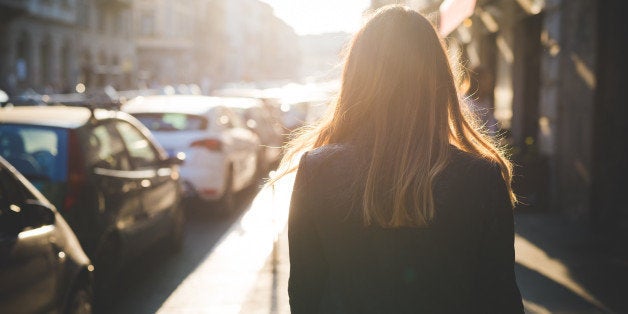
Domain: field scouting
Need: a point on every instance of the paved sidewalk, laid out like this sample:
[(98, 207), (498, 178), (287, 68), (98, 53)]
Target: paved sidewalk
[(270, 294), (222, 281), (561, 267)]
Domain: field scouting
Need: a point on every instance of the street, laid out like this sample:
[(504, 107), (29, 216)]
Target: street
[(220, 261), (114, 113), (148, 282)]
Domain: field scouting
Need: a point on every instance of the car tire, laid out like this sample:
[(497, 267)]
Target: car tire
[(226, 203), (261, 165), (107, 267), (81, 299), (177, 234)]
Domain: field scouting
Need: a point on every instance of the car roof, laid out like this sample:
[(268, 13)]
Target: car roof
[(242, 102), (190, 104), (54, 116)]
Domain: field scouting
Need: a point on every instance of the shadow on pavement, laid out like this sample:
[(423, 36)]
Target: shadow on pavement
[(583, 258), (147, 282)]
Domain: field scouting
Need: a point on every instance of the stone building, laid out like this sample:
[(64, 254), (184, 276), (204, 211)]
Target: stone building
[(52, 45), (165, 40), (107, 53), (243, 41), (557, 69), (37, 40), (212, 42), (559, 92)]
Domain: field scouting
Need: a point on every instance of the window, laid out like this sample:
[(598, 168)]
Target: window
[(5, 195), (9, 197), (44, 61), (23, 48), (13, 195), (142, 152), (147, 27), (102, 21), (105, 150), (39, 153), (11, 191)]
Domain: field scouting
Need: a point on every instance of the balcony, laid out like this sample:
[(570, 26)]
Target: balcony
[(116, 4), (13, 8)]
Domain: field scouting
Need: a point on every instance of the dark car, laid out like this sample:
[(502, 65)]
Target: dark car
[(114, 185), (42, 265)]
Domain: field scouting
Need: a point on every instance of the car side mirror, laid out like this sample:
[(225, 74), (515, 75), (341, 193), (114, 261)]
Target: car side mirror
[(176, 159), (31, 215), (251, 124), (37, 214)]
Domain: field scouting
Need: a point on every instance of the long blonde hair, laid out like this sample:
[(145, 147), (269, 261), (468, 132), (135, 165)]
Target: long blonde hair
[(399, 100)]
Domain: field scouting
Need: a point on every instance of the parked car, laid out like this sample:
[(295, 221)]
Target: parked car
[(111, 181), (258, 119), (43, 268), (221, 153), (294, 114)]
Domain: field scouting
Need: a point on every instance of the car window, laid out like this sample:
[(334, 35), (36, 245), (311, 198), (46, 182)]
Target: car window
[(142, 152), (165, 122), (106, 150), (9, 196), (39, 153), (13, 196), (12, 192)]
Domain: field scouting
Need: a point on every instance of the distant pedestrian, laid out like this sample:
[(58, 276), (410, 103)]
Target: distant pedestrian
[(399, 204)]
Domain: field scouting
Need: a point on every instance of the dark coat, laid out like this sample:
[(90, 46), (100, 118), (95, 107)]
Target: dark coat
[(462, 263)]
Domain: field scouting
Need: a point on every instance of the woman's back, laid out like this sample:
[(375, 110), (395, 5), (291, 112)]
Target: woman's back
[(397, 218), (461, 263)]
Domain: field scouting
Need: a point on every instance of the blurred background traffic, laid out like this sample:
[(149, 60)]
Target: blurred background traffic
[(135, 136)]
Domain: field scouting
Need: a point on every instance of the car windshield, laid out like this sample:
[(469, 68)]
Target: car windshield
[(165, 122), (38, 152)]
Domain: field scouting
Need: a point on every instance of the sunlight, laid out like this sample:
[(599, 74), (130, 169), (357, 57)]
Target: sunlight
[(535, 308), (315, 17), (584, 71), (534, 258), (238, 257)]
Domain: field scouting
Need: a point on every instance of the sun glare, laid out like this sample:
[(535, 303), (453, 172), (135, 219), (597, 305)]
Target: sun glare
[(323, 16)]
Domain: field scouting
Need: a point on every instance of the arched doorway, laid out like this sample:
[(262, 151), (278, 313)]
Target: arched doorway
[(66, 70), (45, 71), (23, 61), (86, 69)]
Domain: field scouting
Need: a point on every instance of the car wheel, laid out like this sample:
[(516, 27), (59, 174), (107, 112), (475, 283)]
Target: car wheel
[(227, 201), (261, 163), (107, 266), (177, 234), (81, 299)]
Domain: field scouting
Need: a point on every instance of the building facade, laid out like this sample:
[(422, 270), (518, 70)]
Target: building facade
[(165, 41), (37, 40), (50, 46), (243, 41), (558, 71)]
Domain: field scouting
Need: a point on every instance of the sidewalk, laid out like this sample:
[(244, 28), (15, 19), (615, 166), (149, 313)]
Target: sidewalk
[(238, 264), (270, 294), (561, 268)]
